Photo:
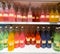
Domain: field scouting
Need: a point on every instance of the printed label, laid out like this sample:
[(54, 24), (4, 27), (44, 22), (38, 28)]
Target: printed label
[(28, 39), (33, 39), (11, 43), (1, 41), (16, 41), (43, 41), (38, 41), (49, 41), (5, 41), (58, 44), (21, 41), (52, 16)]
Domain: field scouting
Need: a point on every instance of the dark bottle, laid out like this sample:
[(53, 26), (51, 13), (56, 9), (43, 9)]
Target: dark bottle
[(43, 36), (49, 41)]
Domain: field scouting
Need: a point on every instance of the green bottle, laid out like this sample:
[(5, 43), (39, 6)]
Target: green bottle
[(1, 38), (5, 36), (56, 41)]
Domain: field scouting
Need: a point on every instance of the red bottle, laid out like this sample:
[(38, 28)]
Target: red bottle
[(47, 16), (16, 37), (12, 15), (6, 12), (28, 39), (42, 16), (22, 38), (32, 39), (19, 16)]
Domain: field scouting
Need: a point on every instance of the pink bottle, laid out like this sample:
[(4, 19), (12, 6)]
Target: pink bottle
[(12, 15), (19, 16), (6, 12), (16, 37), (30, 15), (22, 38), (42, 16)]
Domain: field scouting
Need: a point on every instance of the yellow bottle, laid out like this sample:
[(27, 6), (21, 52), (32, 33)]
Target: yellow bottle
[(54, 17), (11, 39)]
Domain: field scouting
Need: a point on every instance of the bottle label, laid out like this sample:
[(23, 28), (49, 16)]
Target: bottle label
[(1, 41), (38, 41), (11, 43), (33, 39), (42, 16), (21, 41), (27, 39), (5, 15), (49, 41), (47, 16), (5, 41), (16, 42), (1, 15), (19, 16), (43, 41), (52, 16)]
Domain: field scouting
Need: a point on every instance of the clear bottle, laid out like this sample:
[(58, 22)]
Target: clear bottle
[(1, 38), (56, 39), (12, 15), (6, 13), (1, 12), (16, 37), (22, 38), (11, 39), (5, 36)]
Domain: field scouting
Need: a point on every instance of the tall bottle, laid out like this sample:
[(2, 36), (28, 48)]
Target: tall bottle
[(42, 16), (56, 39), (43, 37), (1, 38), (30, 15), (11, 39), (38, 39), (22, 37), (19, 16), (6, 12), (16, 37), (1, 12), (12, 15), (49, 40), (5, 36)]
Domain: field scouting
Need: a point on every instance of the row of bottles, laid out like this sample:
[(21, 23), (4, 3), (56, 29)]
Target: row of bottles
[(12, 37), (10, 15)]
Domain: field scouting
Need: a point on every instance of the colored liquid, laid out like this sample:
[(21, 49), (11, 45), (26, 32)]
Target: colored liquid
[(16, 38), (11, 41), (22, 40)]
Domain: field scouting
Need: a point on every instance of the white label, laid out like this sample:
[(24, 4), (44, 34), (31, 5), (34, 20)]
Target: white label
[(58, 44), (11, 43), (52, 16), (47, 16), (1, 15), (49, 41), (17, 42), (21, 41), (38, 41), (33, 39), (19, 16), (42, 16), (5, 41), (5, 15), (43, 41), (28, 39)]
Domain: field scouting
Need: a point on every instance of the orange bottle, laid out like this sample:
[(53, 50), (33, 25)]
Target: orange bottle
[(11, 39)]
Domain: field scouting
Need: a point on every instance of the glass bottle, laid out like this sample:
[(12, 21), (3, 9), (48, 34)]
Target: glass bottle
[(22, 37), (6, 12), (43, 37), (38, 39), (49, 40), (56, 39), (11, 39), (12, 15), (1, 38), (5, 36), (1, 12), (16, 37)]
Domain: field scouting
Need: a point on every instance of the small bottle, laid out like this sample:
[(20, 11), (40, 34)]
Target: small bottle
[(38, 39), (43, 37), (1, 39), (12, 15), (1, 12), (49, 40), (42, 16), (30, 15), (56, 39), (11, 39), (5, 36), (28, 39), (22, 38), (16, 37), (6, 13), (19, 16)]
